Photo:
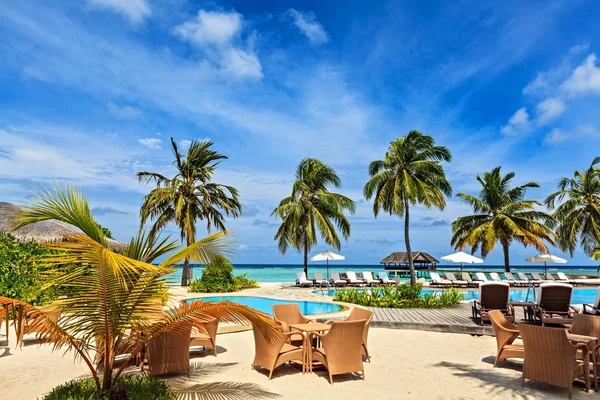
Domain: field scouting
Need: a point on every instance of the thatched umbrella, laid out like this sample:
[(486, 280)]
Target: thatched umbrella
[(41, 232)]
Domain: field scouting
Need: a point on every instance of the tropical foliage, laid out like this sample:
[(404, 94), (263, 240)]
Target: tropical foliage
[(576, 206), (404, 296), (218, 277), (134, 387), (502, 215), (313, 209), (411, 173), (189, 196), (110, 295)]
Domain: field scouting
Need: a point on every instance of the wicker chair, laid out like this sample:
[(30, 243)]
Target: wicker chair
[(286, 315), (277, 352), (589, 325), (492, 296), (357, 314), (551, 358), (342, 348), (506, 333), (169, 352), (554, 304), (205, 335)]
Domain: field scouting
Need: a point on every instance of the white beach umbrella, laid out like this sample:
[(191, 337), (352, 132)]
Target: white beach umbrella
[(326, 256), (546, 258), (462, 258)]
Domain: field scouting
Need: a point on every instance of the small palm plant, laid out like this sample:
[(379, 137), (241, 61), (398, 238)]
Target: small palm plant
[(109, 294)]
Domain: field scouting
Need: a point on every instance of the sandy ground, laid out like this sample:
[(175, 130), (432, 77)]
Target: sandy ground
[(405, 364)]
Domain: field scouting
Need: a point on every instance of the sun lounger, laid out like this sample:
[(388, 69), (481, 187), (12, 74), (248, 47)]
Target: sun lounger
[(495, 277), (505, 333), (436, 280), (551, 358), (319, 281), (337, 281), (369, 279), (383, 276), (481, 277), (278, 351), (549, 277), (593, 309), (536, 277), (302, 281), (514, 282), (492, 296), (467, 277), (456, 282), (353, 280), (523, 277), (563, 278), (554, 304)]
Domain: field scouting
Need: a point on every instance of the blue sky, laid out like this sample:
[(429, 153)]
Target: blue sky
[(92, 90)]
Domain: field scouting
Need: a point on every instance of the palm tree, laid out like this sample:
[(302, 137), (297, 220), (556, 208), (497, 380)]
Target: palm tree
[(502, 215), (190, 195), (410, 173), (312, 207), (578, 215), (109, 293)]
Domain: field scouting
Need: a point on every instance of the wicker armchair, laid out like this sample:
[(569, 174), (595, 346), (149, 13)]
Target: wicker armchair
[(551, 358), (277, 352), (505, 333), (554, 304), (205, 335), (492, 296), (357, 314), (169, 352), (589, 325), (289, 314)]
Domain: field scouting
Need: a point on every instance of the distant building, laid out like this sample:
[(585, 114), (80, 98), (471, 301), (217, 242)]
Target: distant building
[(399, 261)]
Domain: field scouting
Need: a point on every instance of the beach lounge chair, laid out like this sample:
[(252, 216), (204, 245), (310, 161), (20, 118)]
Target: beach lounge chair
[(505, 333), (536, 277), (481, 277), (436, 280), (494, 277), (589, 325), (205, 335), (551, 358), (369, 279), (337, 281), (169, 352), (278, 351), (523, 277), (353, 280), (319, 280), (342, 348), (358, 314), (549, 277), (554, 304), (289, 314), (456, 282), (514, 282), (492, 296), (467, 277), (385, 279), (593, 309), (563, 278), (302, 281)]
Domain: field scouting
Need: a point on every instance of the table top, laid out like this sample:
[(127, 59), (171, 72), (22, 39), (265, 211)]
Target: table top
[(311, 327), (581, 338)]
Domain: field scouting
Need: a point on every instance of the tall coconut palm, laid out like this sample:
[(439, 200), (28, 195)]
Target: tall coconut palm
[(502, 215), (411, 173), (312, 208), (110, 293), (189, 196), (576, 207)]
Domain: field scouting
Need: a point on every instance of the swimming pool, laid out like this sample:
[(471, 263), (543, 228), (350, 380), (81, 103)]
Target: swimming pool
[(580, 295), (265, 304)]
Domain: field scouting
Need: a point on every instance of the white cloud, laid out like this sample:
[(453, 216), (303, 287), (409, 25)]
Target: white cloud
[(519, 122), (211, 27), (135, 10), (185, 144), (558, 136), (549, 109), (241, 64), (308, 25), (585, 79), (124, 112), (151, 143)]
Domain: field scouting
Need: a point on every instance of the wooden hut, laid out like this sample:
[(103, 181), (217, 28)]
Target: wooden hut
[(43, 231), (399, 261)]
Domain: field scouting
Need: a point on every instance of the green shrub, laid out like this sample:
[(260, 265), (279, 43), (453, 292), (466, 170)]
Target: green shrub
[(218, 277), (127, 387), (404, 296)]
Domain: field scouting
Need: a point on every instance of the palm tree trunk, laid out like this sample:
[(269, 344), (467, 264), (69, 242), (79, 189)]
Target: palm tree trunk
[(411, 265), (107, 368), (306, 260), (187, 275), (506, 258)]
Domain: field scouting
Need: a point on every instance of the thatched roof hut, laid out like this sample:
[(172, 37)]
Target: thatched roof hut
[(41, 232), (399, 260)]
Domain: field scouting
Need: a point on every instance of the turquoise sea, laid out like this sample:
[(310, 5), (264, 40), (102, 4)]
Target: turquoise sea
[(287, 272)]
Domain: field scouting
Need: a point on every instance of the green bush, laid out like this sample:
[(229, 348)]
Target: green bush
[(20, 273), (127, 387), (404, 296), (218, 277)]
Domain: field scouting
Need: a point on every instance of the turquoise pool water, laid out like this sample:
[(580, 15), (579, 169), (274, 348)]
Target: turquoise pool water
[(265, 304), (580, 295)]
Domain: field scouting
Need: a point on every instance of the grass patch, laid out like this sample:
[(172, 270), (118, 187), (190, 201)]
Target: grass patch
[(127, 387)]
